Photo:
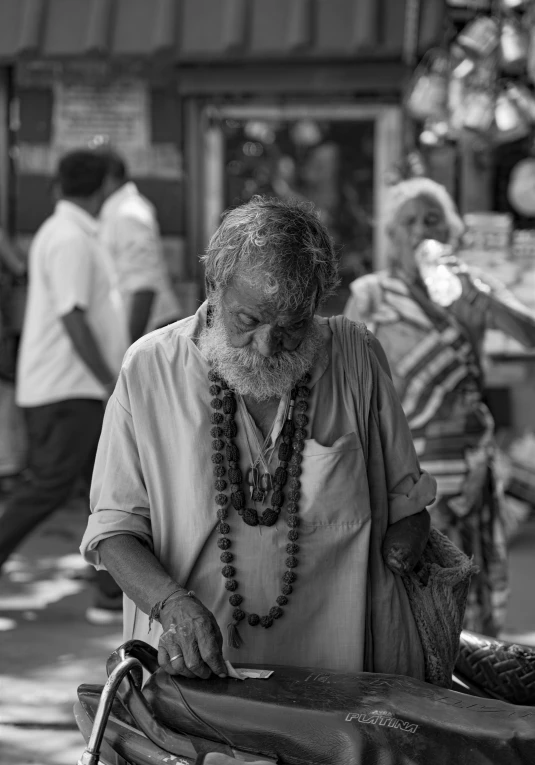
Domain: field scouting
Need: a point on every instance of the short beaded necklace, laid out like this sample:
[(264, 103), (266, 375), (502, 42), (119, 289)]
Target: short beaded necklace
[(290, 456)]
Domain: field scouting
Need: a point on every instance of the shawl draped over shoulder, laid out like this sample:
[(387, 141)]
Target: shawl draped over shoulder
[(400, 611)]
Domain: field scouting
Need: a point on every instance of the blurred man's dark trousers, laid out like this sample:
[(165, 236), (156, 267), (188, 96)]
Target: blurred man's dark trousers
[(62, 443)]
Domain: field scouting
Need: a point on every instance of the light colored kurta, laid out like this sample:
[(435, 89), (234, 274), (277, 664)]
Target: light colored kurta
[(153, 478)]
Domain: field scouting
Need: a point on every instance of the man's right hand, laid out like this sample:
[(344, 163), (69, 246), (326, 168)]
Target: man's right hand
[(191, 643)]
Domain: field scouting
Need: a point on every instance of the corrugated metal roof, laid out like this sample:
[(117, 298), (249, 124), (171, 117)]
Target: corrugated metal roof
[(191, 31)]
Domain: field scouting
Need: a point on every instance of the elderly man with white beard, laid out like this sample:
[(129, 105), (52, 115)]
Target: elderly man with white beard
[(256, 491)]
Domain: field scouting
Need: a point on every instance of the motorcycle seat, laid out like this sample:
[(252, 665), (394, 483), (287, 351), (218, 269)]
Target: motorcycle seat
[(504, 670), (311, 716)]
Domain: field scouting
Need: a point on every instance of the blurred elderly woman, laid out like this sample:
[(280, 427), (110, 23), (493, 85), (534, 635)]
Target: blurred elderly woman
[(435, 356)]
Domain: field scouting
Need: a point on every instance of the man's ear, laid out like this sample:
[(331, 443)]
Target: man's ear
[(209, 315), (316, 300), (209, 290), (208, 287)]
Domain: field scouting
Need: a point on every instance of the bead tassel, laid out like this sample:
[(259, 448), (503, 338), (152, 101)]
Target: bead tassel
[(234, 638)]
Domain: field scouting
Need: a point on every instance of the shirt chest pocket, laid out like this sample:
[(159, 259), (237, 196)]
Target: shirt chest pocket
[(334, 487)]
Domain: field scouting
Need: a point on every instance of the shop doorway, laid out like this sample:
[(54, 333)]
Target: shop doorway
[(338, 157)]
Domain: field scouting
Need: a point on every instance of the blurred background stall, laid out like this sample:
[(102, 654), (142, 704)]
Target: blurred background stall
[(212, 101)]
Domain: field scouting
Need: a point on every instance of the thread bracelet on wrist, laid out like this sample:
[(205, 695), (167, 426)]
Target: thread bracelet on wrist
[(157, 607)]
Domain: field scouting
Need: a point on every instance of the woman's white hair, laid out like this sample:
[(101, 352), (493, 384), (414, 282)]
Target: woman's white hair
[(416, 187)]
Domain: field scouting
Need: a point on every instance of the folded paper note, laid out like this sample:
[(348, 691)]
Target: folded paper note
[(244, 674)]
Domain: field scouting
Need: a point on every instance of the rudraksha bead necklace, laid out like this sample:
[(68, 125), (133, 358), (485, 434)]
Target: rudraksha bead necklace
[(223, 432)]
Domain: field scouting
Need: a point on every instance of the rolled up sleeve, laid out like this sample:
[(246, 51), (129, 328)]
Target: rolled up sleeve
[(410, 489), (119, 500)]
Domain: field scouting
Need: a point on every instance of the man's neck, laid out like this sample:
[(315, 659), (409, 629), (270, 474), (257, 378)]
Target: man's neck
[(263, 413), (88, 205)]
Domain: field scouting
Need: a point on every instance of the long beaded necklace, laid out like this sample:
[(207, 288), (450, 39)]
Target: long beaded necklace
[(223, 432)]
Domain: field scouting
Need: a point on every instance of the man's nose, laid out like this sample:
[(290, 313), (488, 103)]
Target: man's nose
[(266, 341)]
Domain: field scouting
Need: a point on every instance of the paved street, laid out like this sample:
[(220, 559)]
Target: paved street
[(47, 649)]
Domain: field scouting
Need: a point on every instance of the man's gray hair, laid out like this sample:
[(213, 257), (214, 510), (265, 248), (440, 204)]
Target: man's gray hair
[(281, 246)]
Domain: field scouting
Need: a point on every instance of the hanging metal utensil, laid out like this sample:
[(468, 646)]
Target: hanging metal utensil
[(514, 46), (509, 124), (513, 5), (427, 93), (480, 37), (523, 98)]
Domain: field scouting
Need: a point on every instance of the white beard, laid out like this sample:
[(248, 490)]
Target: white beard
[(248, 373)]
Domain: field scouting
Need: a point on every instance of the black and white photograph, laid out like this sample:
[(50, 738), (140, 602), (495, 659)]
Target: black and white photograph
[(267, 382)]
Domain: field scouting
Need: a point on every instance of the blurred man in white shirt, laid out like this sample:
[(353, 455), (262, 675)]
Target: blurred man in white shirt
[(73, 341), (130, 237)]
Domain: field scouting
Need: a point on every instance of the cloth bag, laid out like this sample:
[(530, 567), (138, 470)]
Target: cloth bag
[(437, 591)]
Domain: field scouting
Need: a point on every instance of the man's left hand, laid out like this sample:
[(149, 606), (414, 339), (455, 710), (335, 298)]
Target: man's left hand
[(405, 541)]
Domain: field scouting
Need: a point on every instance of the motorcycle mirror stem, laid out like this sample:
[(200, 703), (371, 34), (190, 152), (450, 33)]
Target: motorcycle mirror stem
[(91, 753)]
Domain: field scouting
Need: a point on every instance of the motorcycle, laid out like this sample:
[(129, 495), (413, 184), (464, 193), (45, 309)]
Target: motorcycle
[(303, 716)]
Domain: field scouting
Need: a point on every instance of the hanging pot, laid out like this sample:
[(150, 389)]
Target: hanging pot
[(478, 95), (513, 5), (429, 139), (434, 133), (478, 110), (415, 165), (530, 66), (478, 5), (463, 67), (514, 46), (427, 94), (461, 64), (480, 37), (509, 124), (523, 98), (521, 188), (456, 106)]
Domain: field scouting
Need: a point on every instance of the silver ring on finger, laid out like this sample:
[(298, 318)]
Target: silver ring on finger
[(178, 656)]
